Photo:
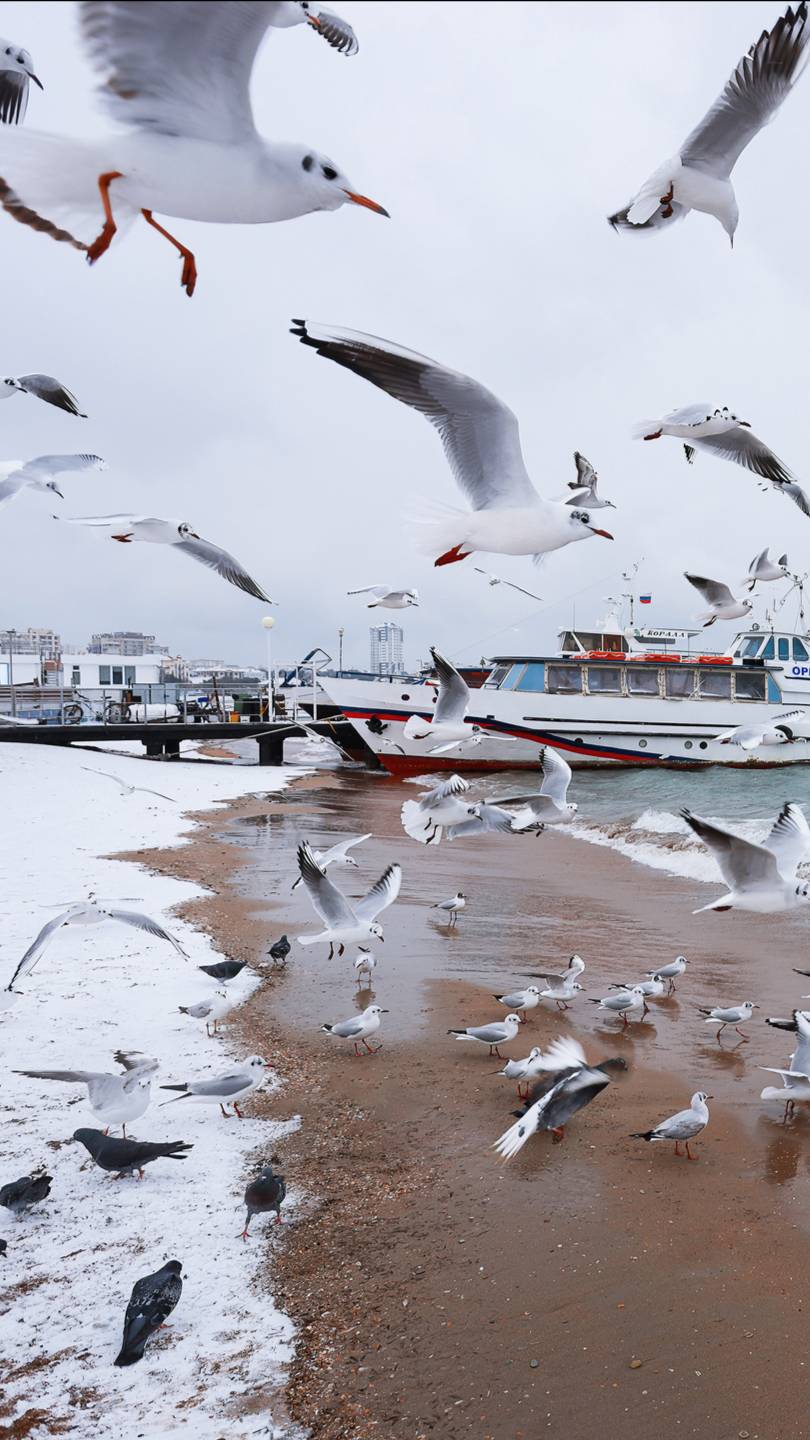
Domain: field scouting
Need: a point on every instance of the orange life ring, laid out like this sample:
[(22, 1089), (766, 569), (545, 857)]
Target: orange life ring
[(715, 660)]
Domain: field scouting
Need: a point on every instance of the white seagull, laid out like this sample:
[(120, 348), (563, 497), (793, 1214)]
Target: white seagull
[(763, 568), (524, 1000), (724, 1015), (358, 1028), (180, 536), (124, 785), (651, 989), (16, 73), (43, 387), (493, 580), (796, 1080), (584, 487), (38, 474), (446, 724), (760, 878), (337, 854), (482, 445), (575, 967), (364, 965), (386, 598), (577, 1084), (670, 972), (549, 805), (562, 991), (624, 1003), (526, 1070), (211, 1011), (488, 820), (424, 819), (698, 177), (87, 913), (765, 732), (113, 1099), (722, 434), (452, 907), (178, 77), (500, 1032), (681, 1127), (346, 922), (223, 1090), (722, 604)]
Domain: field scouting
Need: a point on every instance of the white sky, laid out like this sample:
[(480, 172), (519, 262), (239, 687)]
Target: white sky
[(499, 139)]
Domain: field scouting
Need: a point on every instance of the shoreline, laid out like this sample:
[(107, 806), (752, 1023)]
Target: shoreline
[(414, 1240)]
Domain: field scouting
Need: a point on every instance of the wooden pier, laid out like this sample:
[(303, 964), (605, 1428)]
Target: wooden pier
[(163, 737)]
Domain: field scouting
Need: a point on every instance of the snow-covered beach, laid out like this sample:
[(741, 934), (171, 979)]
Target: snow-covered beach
[(72, 1261)]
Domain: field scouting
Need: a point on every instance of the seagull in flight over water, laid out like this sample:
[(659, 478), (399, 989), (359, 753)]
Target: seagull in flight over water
[(760, 878)]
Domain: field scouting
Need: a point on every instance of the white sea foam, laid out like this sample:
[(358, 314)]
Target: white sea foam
[(72, 1261), (662, 840)]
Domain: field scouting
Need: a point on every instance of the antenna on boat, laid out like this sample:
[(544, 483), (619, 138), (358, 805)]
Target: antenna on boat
[(799, 582), (628, 576)]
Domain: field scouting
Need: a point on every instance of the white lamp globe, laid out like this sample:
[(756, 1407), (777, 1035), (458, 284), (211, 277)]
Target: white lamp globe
[(268, 622)]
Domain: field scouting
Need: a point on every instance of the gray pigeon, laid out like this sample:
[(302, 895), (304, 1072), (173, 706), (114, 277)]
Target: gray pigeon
[(122, 1157), (152, 1301), (264, 1193), (224, 971), (20, 1195), (3, 1248), (280, 950)]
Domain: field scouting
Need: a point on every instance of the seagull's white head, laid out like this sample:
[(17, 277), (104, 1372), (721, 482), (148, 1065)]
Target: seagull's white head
[(376, 930), (327, 188), (579, 522), (700, 1097), (52, 485), (185, 532), (9, 386), (13, 58)]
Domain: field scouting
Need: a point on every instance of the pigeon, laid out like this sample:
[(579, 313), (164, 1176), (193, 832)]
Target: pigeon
[(763, 568), (722, 604), (152, 1301), (584, 487), (224, 970), (364, 965), (88, 912), (124, 1157), (358, 1028), (280, 950), (574, 1087), (447, 724), (3, 1248), (765, 732), (211, 1011), (760, 878), (623, 1003), (698, 177), (520, 1000), (227, 1089), (670, 972), (735, 1015), (113, 1099), (42, 387), (500, 1032), (452, 907), (681, 1127), (337, 854), (346, 922), (265, 1193), (16, 73), (547, 806), (425, 819), (177, 535), (388, 598), (20, 1195)]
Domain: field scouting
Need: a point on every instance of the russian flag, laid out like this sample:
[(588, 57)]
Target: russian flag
[(645, 599)]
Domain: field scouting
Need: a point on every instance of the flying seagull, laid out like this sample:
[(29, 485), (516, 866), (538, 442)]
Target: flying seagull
[(177, 78), (698, 177), (387, 598), (151, 1303), (487, 820), (337, 854), (43, 387), (584, 487), (447, 723), (493, 580), (765, 732), (179, 535), (761, 878), (346, 922), (16, 73), (547, 806), (39, 474), (763, 568), (683, 1127), (575, 1086), (482, 445), (124, 785), (722, 434), (425, 819), (722, 604), (88, 912)]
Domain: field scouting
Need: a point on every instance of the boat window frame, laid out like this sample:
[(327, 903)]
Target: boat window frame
[(565, 665), (681, 670), (604, 669), (752, 674), (644, 670), (726, 670)]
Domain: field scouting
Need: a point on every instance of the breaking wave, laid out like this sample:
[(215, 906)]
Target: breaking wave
[(663, 841)]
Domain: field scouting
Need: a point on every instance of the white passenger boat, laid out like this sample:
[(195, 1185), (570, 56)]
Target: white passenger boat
[(612, 696)]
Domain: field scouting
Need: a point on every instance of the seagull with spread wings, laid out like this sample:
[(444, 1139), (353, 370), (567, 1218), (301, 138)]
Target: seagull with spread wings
[(493, 580), (698, 177), (584, 487), (551, 1105), (124, 785), (481, 442), (337, 854), (447, 723), (387, 597), (42, 387), (549, 805), (774, 731), (722, 604), (39, 473), (346, 922), (761, 878), (425, 819), (87, 913), (113, 1099), (763, 568)]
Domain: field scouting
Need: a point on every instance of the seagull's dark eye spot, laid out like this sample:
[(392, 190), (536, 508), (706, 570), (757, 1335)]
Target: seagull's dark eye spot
[(307, 162), (328, 172), (8, 51)]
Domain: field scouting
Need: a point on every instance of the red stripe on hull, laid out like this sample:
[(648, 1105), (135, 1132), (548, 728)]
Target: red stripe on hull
[(426, 764)]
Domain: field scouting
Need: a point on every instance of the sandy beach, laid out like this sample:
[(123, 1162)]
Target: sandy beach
[(439, 1292)]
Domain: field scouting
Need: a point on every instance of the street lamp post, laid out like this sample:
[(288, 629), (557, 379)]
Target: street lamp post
[(267, 625), (341, 633), (11, 635)]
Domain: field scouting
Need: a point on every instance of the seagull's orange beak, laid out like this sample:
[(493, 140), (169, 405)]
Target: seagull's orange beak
[(606, 535), (369, 204), (314, 21)]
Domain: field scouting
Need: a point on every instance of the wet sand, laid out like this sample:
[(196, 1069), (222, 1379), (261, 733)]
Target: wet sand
[(598, 1284)]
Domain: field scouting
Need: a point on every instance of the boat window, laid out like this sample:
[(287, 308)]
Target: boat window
[(799, 651), (642, 681), (715, 684), (751, 648), (564, 680), (532, 678), (498, 674), (588, 639), (751, 685), (512, 678), (767, 653), (604, 680), (569, 641), (783, 648), (679, 683)]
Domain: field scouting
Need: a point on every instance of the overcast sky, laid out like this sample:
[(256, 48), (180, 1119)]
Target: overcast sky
[(499, 138)]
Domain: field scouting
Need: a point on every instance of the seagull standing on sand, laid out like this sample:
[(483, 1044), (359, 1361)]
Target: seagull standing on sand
[(84, 913), (576, 1085), (125, 787), (446, 724), (482, 445), (364, 966), (722, 604), (670, 972), (681, 1127), (176, 533), (562, 992), (500, 1032), (763, 568), (337, 854), (760, 878), (43, 387), (795, 1085), (223, 1090), (765, 732), (624, 1003), (113, 1099), (735, 1015), (698, 177), (452, 907), (651, 990), (549, 805), (524, 1000), (211, 1011), (526, 1070), (346, 922), (178, 76), (386, 598), (16, 73), (722, 434), (38, 474), (584, 487), (424, 819), (358, 1028), (152, 1301)]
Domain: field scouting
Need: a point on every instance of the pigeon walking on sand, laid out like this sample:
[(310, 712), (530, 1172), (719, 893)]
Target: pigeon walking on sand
[(263, 1195), (124, 1157), (683, 1127), (152, 1301), (223, 1090), (279, 951), (20, 1195), (224, 970), (358, 1028)]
